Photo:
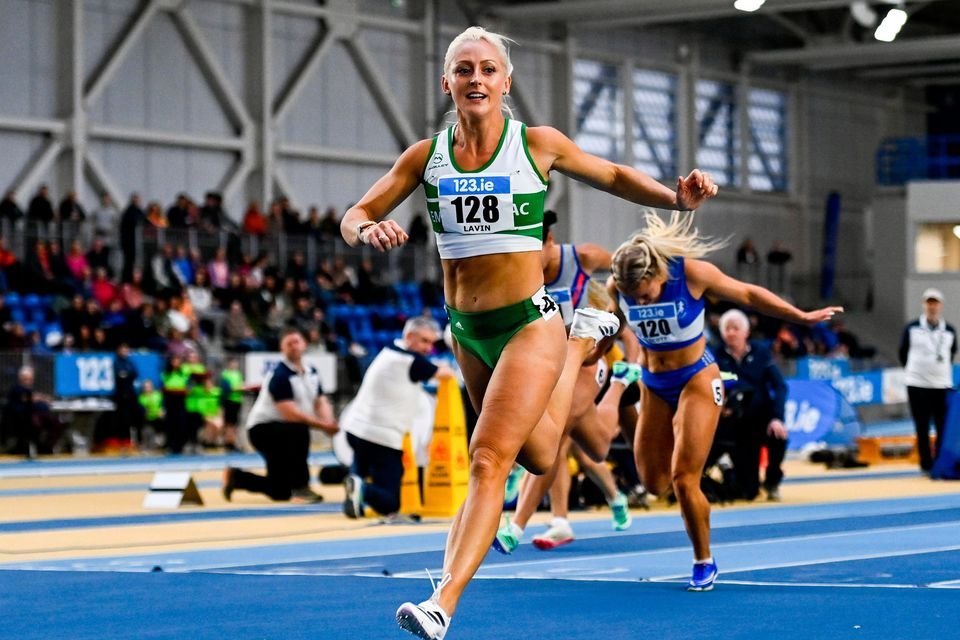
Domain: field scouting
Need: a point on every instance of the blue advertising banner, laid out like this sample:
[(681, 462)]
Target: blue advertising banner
[(816, 412), (815, 368), (947, 464), (91, 374)]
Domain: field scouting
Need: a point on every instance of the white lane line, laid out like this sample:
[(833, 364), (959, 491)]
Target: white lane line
[(804, 563)]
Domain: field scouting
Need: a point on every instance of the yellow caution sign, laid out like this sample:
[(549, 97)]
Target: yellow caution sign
[(410, 502), (445, 484)]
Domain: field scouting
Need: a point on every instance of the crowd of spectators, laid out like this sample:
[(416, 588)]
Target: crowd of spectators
[(97, 292)]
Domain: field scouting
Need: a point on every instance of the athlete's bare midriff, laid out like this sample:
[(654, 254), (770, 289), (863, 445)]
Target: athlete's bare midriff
[(661, 361), (482, 283)]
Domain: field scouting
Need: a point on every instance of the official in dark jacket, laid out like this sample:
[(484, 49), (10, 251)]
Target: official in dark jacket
[(753, 415)]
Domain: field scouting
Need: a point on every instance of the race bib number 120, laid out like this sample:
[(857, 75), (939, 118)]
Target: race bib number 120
[(476, 204)]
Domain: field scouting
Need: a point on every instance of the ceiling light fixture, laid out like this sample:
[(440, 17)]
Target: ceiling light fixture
[(956, 230), (748, 5), (891, 25)]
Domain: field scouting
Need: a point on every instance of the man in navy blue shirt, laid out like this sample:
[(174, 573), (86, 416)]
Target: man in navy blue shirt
[(753, 415)]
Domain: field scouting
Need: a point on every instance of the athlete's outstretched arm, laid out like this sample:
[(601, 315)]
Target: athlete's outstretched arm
[(556, 151), (386, 193), (706, 279)]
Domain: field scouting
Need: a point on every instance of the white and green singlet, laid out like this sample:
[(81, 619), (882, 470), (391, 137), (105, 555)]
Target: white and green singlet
[(497, 208)]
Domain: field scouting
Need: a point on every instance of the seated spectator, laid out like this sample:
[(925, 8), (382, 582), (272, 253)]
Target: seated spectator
[(103, 290), (10, 268), (41, 276), (132, 292), (27, 418), (219, 270), (311, 225), (254, 222), (848, 342), (184, 266), (73, 317), (99, 255), (296, 266), (142, 330), (161, 278), (238, 335), (77, 261), (9, 209), (16, 338)]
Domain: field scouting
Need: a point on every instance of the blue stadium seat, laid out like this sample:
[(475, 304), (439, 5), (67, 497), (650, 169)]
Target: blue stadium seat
[(16, 314), (31, 301), (13, 299), (38, 315)]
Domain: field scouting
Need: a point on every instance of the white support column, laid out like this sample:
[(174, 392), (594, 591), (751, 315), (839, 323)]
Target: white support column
[(115, 55), (260, 88), (687, 128), (77, 115)]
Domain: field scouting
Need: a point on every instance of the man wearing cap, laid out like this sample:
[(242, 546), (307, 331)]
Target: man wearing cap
[(927, 349)]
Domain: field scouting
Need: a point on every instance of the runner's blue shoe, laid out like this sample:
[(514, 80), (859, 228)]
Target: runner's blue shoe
[(704, 575)]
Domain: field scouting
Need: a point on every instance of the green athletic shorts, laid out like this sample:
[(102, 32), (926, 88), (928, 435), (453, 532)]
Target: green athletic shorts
[(486, 333)]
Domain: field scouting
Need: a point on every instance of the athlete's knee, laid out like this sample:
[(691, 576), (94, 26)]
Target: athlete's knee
[(486, 463), (685, 483), (658, 484), (537, 462)]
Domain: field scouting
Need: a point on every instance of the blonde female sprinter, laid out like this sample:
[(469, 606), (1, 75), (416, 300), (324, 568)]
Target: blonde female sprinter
[(485, 179), (659, 288)]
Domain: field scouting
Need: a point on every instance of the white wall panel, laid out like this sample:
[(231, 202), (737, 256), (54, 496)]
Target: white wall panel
[(103, 21), (20, 146), (290, 40), (336, 109), (224, 25), (160, 173), (28, 54), (159, 86)]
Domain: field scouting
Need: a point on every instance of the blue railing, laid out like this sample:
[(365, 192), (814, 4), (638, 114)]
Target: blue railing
[(900, 160)]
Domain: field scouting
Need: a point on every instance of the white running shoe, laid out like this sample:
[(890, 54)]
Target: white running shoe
[(559, 534), (593, 323), (426, 620)]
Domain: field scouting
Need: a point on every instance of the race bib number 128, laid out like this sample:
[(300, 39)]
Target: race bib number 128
[(476, 204)]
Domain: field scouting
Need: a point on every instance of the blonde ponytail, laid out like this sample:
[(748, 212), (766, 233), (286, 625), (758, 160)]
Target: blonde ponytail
[(646, 254)]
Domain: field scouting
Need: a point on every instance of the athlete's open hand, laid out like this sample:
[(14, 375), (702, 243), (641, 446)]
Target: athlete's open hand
[(821, 315), (694, 189), (384, 235)]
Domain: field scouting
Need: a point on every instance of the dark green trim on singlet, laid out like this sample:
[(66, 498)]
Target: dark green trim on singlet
[(433, 147), (526, 150), (453, 160)]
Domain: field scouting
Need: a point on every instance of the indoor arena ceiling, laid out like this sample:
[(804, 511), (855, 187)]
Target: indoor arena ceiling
[(819, 35)]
